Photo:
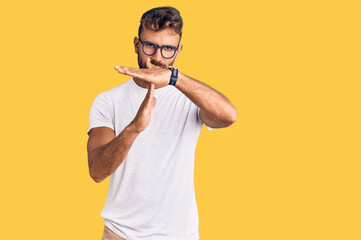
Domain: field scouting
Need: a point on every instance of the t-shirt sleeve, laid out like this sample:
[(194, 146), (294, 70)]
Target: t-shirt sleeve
[(200, 121), (100, 114)]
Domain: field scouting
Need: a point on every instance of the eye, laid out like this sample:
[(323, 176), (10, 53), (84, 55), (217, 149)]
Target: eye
[(168, 48), (148, 45)]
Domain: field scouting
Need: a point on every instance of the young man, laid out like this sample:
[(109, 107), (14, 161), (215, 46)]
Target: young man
[(143, 134)]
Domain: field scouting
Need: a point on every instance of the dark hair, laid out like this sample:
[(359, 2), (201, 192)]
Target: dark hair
[(160, 18)]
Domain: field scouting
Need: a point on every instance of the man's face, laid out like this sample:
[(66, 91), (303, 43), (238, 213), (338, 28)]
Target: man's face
[(163, 37)]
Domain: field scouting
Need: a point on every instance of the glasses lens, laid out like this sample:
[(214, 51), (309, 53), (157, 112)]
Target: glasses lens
[(168, 52), (149, 48)]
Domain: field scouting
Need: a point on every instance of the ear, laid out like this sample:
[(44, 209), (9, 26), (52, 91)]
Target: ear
[(136, 45), (178, 51)]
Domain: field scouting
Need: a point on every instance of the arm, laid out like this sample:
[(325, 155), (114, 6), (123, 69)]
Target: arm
[(215, 109), (106, 152)]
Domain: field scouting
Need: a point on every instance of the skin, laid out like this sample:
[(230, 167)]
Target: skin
[(215, 109), (106, 151)]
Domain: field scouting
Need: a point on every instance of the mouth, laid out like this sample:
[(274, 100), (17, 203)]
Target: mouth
[(158, 66)]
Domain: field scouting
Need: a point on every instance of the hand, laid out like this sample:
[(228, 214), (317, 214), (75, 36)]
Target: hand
[(142, 118), (158, 76)]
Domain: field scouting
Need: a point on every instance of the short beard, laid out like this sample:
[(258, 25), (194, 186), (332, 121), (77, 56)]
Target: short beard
[(142, 64)]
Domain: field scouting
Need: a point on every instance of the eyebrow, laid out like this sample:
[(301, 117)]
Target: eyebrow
[(158, 45)]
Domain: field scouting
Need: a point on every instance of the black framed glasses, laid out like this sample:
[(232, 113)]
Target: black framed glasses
[(150, 49)]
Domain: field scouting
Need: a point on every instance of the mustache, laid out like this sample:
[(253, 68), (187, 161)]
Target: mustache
[(158, 64)]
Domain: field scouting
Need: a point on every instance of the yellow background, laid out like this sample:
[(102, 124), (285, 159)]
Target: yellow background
[(289, 168)]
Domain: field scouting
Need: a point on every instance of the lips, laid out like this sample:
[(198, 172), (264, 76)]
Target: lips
[(158, 67)]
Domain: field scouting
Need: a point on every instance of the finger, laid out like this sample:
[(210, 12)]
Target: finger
[(151, 90), (121, 69), (147, 96), (150, 95), (154, 102), (133, 72), (148, 64)]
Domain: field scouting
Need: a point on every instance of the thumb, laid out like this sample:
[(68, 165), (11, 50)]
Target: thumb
[(148, 64)]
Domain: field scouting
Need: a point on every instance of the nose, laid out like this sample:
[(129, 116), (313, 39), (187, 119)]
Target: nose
[(158, 56)]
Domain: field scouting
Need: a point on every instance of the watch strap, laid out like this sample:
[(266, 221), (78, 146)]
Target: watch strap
[(174, 76)]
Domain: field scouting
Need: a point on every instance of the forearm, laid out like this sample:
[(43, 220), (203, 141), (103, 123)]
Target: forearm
[(213, 102), (107, 158)]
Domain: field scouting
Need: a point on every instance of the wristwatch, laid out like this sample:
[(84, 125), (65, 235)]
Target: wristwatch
[(174, 76)]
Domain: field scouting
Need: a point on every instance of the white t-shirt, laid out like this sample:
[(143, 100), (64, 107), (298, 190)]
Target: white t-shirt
[(151, 194)]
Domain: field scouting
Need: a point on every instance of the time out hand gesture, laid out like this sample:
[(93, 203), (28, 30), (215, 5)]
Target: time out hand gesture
[(159, 77), (142, 118)]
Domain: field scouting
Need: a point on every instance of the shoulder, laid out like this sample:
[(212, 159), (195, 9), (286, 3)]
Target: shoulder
[(116, 92), (124, 86)]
